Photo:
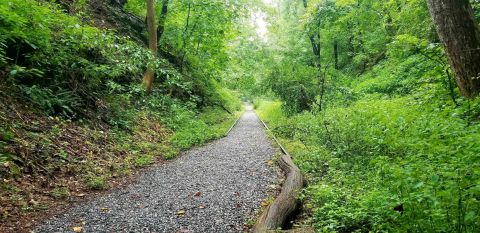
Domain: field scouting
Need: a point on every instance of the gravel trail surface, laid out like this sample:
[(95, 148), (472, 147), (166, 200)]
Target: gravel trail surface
[(213, 188)]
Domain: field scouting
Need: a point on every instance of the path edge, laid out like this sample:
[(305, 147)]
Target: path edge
[(234, 123), (276, 214)]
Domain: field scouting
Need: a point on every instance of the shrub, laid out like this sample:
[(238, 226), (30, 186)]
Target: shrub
[(385, 165)]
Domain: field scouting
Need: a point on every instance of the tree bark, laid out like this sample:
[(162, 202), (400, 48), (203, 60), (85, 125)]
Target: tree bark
[(459, 32), (277, 213), (152, 45), (284, 206)]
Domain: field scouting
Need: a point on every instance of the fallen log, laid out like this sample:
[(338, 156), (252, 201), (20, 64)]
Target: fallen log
[(279, 212)]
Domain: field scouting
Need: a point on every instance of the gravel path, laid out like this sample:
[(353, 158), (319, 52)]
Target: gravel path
[(214, 188)]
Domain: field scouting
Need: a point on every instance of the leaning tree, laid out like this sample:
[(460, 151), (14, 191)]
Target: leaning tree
[(459, 32)]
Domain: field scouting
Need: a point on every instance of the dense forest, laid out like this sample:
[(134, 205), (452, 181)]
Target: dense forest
[(376, 101)]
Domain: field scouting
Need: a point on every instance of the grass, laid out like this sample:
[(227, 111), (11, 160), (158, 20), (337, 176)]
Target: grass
[(61, 192)]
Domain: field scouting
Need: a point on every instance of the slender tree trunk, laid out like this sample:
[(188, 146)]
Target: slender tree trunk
[(161, 20), (335, 53), (152, 45), (197, 49), (315, 41), (184, 44), (458, 30)]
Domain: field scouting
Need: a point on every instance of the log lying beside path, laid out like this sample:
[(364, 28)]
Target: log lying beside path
[(286, 203)]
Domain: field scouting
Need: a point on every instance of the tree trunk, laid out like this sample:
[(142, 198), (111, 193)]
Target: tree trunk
[(335, 53), (161, 20), (184, 36), (287, 203), (152, 45), (316, 50), (458, 30), (277, 213), (315, 41)]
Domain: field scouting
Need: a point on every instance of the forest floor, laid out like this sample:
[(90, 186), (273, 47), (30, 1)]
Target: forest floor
[(214, 188)]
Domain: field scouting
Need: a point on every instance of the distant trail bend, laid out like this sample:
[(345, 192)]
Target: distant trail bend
[(213, 188)]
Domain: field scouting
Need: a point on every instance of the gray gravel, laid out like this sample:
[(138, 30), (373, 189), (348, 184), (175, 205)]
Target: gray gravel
[(230, 177)]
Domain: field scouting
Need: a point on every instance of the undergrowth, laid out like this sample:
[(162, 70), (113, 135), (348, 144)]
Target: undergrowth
[(73, 113), (385, 164)]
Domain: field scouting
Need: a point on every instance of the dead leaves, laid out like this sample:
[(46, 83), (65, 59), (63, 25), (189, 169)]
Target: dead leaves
[(181, 213), (78, 227), (184, 231), (264, 204), (33, 202), (270, 162)]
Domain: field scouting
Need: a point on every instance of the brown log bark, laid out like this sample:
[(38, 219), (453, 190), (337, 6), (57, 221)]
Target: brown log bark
[(152, 45), (277, 213), (458, 30)]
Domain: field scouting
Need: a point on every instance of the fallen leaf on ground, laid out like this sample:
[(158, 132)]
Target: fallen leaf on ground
[(33, 202), (197, 194), (201, 207), (264, 204), (104, 209), (77, 229), (181, 212), (80, 194)]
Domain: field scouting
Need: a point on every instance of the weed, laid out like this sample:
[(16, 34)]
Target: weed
[(94, 182), (61, 192), (143, 160)]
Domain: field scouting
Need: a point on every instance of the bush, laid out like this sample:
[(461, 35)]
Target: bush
[(386, 165)]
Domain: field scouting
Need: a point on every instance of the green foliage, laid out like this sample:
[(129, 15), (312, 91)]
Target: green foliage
[(378, 127), (192, 129), (378, 154), (96, 182), (61, 192), (73, 63), (66, 66), (53, 102), (143, 160), (97, 120), (393, 38), (137, 7)]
